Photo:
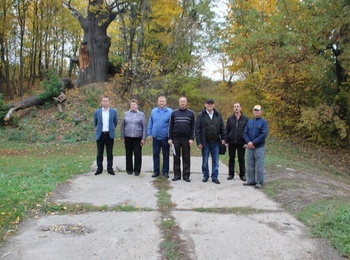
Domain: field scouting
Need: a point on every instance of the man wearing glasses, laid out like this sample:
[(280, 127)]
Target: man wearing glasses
[(254, 135)]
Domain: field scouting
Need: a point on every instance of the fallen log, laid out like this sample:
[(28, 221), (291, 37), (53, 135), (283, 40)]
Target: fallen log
[(33, 101), (25, 103)]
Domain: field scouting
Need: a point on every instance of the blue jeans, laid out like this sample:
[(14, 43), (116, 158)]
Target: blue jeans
[(256, 159), (157, 146), (211, 148)]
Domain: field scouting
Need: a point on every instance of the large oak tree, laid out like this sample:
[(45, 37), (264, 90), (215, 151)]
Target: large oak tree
[(99, 16)]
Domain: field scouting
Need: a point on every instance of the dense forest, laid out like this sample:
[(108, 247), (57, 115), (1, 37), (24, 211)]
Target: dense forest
[(292, 57)]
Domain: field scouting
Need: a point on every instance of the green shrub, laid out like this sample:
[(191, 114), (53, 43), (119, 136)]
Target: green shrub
[(52, 87)]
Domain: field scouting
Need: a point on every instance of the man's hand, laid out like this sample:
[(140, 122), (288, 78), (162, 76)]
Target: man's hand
[(190, 142), (200, 146), (170, 142), (251, 145)]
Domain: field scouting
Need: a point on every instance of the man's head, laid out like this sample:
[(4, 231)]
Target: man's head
[(105, 102), (237, 108), (161, 102), (257, 111), (182, 103), (209, 104)]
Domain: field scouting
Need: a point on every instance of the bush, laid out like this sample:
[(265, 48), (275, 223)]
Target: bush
[(52, 87), (322, 125)]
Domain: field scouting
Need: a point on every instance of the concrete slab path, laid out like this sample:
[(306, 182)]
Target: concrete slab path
[(271, 234)]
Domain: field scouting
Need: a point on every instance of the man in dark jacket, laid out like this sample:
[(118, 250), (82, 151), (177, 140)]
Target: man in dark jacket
[(254, 135), (210, 133), (181, 136), (235, 126)]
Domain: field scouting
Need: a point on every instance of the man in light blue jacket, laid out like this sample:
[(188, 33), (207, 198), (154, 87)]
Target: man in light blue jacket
[(158, 125), (105, 121)]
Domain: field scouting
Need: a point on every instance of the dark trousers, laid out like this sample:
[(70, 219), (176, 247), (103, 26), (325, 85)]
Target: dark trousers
[(232, 154), (133, 146), (182, 150), (104, 140), (157, 146)]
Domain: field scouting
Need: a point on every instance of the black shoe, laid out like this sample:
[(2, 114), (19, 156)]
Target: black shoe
[(155, 175), (242, 178), (137, 173), (165, 175), (216, 181), (249, 184), (130, 173), (205, 179), (175, 179), (187, 179), (230, 177), (111, 172), (98, 172)]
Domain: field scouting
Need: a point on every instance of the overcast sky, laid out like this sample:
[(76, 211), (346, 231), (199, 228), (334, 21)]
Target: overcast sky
[(212, 67)]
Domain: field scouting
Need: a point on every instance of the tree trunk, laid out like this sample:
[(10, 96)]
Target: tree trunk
[(95, 24), (4, 61), (25, 103)]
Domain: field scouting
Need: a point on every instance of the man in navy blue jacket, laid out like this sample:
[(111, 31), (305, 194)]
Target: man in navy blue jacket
[(105, 121), (254, 135), (158, 126), (181, 135)]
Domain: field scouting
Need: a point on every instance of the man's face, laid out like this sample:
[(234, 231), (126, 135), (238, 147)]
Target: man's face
[(257, 113), (162, 102), (183, 103), (105, 102), (209, 106), (237, 108)]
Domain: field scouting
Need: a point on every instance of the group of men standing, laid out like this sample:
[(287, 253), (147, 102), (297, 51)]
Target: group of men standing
[(178, 129)]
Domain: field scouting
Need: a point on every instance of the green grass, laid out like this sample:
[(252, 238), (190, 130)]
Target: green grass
[(172, 246), (237, 210), (62, 209), (168, 223), (29, 172), (277, 185), (329, 219)]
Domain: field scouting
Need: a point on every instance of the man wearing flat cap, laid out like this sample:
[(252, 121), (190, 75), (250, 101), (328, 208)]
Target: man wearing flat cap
[(210, 133), (254, 135)]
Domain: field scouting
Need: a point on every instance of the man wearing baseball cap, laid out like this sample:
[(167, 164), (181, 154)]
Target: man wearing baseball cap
[(254, 135)]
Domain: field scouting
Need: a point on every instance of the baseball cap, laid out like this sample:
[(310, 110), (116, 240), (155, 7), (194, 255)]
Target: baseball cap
[(257, 107)]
